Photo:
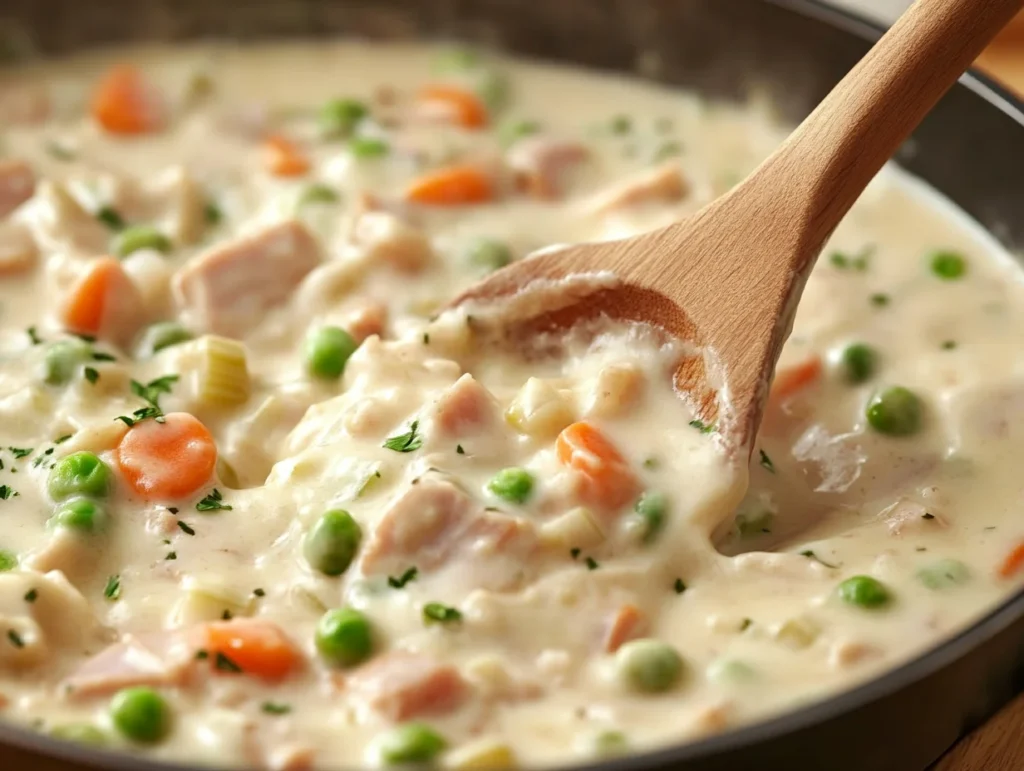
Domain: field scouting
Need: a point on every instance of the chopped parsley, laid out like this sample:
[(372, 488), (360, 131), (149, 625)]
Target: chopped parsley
[(8, 560), (171, 555), (273, 708), (173, 510), (212, 213), (574, 553), (621, 125), (948, 345), (154, 389), (766, 461), (224, 664), (6, 491), (879, 299), (407, 442), (20, 452), (459, 450), (652, 463), (746, 624), (103, 356), (186, 528), (679, 586), (33, 336), (91, 375), (402, 580), (112, 591), (31, 595), (15, 639), (110, 217), (62, 439), (202, 655), (704, 428), (811, 555), (927, 515), (426, 338), (436, 613), (142, 414), (212, 502), (857, 261), (591, 563), (226, 615), (259, 592)]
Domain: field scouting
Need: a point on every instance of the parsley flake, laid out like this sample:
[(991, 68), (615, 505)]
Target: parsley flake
[(110, 217), (704, 428), (591, 563), (402, 580), (212, 502), (186, 528), (15, 639), (33, 336), (91, 374), (436, 613), (112, 591), (812, 556), (407, 442), (766, 461), (62, 439), (20, 452), (679, 586), (6, 491), (259, 592), (224, 664), (273, 708), (31, 595), (103, 356), (459, 450)]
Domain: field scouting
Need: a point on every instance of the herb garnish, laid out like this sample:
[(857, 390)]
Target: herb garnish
[(811, 555), (407, 442), (574, 552), (927, 515), (103, 356), (15, 639), (62, 439), (679, 586), (273, 708), (171, 555), (459, 450), (212, 213), (33, 336), (186, 528), (113, 588), (879, 299), (20, 452), (224, 664), (150, 392), (591, 563), (212, 502), (31, 595), (948, 345), (402, 580), (110, 217), (857, 261), (91, 375), (766, 461), (202, 655), (704, 428), (259, 592), (6, 491), (746, 624), (436, 613)]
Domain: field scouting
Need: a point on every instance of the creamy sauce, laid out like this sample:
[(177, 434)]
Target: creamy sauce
[(530, 599)]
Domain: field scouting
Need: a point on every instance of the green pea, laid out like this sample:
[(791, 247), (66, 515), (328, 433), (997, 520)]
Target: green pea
[(81, 514), (948, 266), (8, 560), (487, 255), (512, 484), (317, 193), (163, 334), (344, 637), (137, 237), (608, 744), (944, 574), (81, 473), (368, 147), (730, 671), (62, 360), (513, 131), (865, 591), (649, 666), (410, 743), (895, 411), (859, 362), (82, 733), (328, 350), (339, 117), (141, 714), (651, 509), (331, 544)]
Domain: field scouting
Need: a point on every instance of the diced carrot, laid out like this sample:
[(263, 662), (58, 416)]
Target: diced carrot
[(85, 306), (124, 103), (792, 379), (283, 157), (609, 482), (253, 646), (463, 107), (626, 625), (1013, 562), (169, 459), (452, 186)]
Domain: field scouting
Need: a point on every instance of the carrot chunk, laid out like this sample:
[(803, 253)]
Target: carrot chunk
[(96, 299), (792, 379), (627, 624), (167, 460), (1013, 562), (251, 646), (608, 480), (460, 106), (124, 103), (283, 157), (452, 186)]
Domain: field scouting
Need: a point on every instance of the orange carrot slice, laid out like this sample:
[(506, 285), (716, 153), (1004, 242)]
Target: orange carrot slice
[(452, 186), (124, 103), (790, 380), (86, 305), (1013, 562), (283, 157), (251, 646), (609, 482), (457, 104), (626, 625), (167, 460)]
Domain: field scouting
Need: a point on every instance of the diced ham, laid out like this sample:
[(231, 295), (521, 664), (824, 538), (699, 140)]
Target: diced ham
[(664, 183), (17, 184), (435, 524), (465, 408), (403, 686), (627, 624), (156, 660), (388, 238), (369, 319), (18, 250), (229, 288), (541, 163)]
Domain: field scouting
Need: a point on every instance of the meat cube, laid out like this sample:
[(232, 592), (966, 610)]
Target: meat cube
[(388, 238), (18, 250), (229, 288), (403, 686), (541, 163), (366, 320), (156, 660), (17, 184), (664, 183), (465, 408)]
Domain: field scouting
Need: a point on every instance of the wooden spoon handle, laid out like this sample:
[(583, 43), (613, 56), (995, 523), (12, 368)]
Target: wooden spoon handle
[(829, 160)]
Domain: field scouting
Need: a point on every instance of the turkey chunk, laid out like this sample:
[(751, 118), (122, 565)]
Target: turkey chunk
[(229, 288), (158, 659), (541, 163), (663, 184), (17, 184), (405, 685), (465, 408)]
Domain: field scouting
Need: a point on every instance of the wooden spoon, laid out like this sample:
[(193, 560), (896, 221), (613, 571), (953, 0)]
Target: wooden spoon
[(728, 279)]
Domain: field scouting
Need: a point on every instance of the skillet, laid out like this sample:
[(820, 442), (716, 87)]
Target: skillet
[(793, 51)]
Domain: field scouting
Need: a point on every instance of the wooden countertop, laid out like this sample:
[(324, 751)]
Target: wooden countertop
[(999, 744)]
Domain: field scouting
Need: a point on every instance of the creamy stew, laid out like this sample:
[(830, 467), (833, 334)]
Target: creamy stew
[(267, 504)]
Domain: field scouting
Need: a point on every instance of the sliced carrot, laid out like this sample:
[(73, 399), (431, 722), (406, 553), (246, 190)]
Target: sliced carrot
[(1013, 562), (452, 186), (124, 103), (609, 482), (169, 459), (627, 624), (790, 380), (283, 157), (252, 646), (86, 304), (462, 107)]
